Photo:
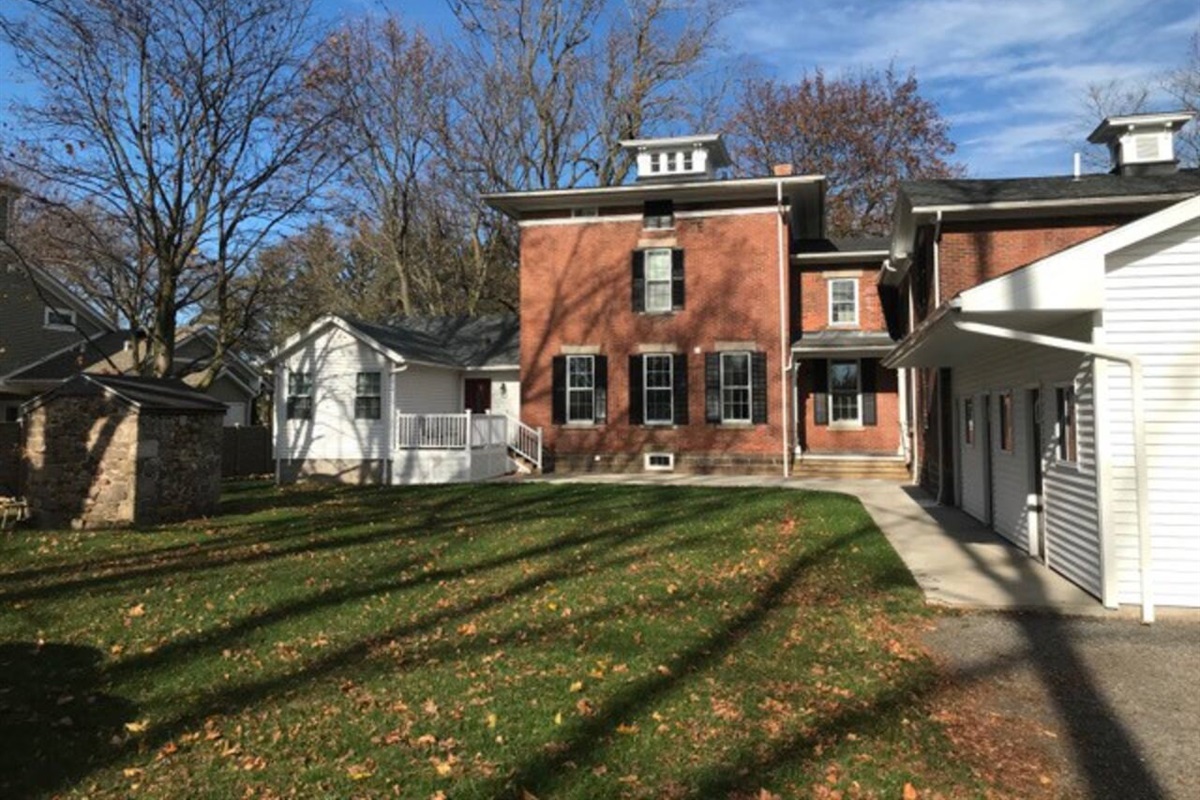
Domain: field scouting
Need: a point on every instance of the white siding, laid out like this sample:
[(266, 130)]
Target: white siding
[(1152, 308), (429, 390), (506, 393), (1069, 491), (335, 358)]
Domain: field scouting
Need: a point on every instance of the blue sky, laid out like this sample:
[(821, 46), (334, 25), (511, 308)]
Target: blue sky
[(1008, 74)]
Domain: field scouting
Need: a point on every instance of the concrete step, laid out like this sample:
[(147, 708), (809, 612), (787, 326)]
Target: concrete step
[(880, 469)]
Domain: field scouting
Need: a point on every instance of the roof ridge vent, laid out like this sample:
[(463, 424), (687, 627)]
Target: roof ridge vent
[(1141, 144)]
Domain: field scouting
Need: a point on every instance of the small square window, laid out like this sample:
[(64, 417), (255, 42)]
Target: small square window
[(59, 319), (658, 214)]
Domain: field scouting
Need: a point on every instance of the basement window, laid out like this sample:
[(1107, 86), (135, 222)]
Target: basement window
[(660, 462)]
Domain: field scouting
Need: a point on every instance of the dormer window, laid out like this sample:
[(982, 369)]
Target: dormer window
[(666, 159), (687, 160), (656, 162)]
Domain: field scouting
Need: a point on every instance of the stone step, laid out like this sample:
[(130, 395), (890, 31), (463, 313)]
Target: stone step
[(851, 468)]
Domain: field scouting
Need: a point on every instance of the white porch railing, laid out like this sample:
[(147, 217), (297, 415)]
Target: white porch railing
[(468, 432), (525, 441)]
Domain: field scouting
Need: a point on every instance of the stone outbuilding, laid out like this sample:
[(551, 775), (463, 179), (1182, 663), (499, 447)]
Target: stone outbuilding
[(103, 450)]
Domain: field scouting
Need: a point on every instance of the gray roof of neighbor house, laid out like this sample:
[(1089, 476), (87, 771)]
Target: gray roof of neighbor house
[(468, 342), (843, 341), (147, 394), (965, 192)]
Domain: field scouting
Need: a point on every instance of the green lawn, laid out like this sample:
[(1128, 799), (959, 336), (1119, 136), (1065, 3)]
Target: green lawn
[(476, 641)]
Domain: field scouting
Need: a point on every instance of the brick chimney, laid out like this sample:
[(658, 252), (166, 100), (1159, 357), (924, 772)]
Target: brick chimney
[(782, 170)]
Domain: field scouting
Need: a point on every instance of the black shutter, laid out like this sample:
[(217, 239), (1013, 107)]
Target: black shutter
[(712, 387), (639, 280), (820, 391), (680, 389), (558, 394), (867, 368), (637, 404), (676, 280), (758, 388), (601, 389)]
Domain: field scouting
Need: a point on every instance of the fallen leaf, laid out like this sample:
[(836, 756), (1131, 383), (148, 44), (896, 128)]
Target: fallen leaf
[(577, 686), (137, 611), (136, 727), (910, 792)]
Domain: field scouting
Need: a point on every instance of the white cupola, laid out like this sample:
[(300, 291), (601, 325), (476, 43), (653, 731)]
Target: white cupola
[(678, 158), (1141, 144)]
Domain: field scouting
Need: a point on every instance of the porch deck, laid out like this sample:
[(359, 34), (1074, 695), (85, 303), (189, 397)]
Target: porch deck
[(459, 448)]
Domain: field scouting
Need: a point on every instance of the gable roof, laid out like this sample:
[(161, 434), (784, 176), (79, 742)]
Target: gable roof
[(48, 283), (487, 342), (953, 193), (145, 394)]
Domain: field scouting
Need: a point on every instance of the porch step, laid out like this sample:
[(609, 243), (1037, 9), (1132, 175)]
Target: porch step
[(888, 469)]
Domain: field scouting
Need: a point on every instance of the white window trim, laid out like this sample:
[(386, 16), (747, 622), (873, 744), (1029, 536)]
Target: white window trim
[(379, 394), (1060, 428), (749, 418), (569, 389), (310, 394), (646, 389), (58, 326), (857, 422), (1012, 423), (829, 290), (970, 432), (646, 280)]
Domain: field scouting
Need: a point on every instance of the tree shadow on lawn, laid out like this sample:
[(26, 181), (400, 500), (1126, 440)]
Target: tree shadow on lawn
[(372, 510), (56, 724)]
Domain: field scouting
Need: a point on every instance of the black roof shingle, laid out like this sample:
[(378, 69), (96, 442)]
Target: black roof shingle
[(486, 341), (1059, 187)]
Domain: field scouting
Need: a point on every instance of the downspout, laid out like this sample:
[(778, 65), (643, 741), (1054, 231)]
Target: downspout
[(1139, 432), (913, 375), (783, 328), (389, 426), (941, 412)]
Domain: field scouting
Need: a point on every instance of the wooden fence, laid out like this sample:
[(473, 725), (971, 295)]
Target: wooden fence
[(10, 457), (246, 451)]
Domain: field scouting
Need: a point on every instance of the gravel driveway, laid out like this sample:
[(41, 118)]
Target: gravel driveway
[(1121, 700)]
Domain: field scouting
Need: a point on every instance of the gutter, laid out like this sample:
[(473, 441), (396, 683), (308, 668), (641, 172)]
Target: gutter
[(1141, 477)]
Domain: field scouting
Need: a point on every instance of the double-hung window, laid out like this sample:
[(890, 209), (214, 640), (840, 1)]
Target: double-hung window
[(1068, 447), (299, 396), (658, 389), (843, 301), (735, 387), (581, 388), (844, 391), (368, 396), (658, 279)]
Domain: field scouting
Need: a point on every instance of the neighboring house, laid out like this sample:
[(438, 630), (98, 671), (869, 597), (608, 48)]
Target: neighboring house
[(366, 403), (664, 324), (48, 334), (1024, 303), (237, 384)]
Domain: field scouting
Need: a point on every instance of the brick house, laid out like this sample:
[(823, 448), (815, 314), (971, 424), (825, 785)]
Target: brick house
[(664, 324)]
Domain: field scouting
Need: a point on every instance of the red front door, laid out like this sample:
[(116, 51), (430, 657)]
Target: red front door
[(478, 392)]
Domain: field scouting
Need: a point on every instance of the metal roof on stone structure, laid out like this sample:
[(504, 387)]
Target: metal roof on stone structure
[(144, 394), (464, 342)]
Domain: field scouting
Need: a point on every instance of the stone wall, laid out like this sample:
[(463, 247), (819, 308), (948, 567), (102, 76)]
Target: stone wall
[(96, 462), (179, 466), (80, 462)]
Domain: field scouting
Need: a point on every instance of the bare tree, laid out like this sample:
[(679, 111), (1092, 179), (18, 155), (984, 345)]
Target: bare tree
[(178, 120), (864, 132)]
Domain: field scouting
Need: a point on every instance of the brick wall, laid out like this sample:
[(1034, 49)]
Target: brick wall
[(576, 291), (882, 438), (813, 302), (971, 253)]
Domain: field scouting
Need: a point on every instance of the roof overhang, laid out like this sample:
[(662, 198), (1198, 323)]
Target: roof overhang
[(841, 257), (514, 204), (1112, 127), (843, 344), (1035, 298)]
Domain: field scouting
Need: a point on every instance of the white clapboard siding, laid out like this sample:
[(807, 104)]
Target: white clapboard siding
[(335, 358), (1152, 308), (1073, 545), (429, 390)]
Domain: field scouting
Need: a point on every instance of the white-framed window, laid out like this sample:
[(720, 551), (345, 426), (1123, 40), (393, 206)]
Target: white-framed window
[(299, 396), (1006, 422), (581, 388), (969, 420), (658, 393), (735, 387), (659, 462), (59, 319), (368, 395), (658, 279), (845, 392), (687, 161), (1066, 425), (656, 162), (843, 301)]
